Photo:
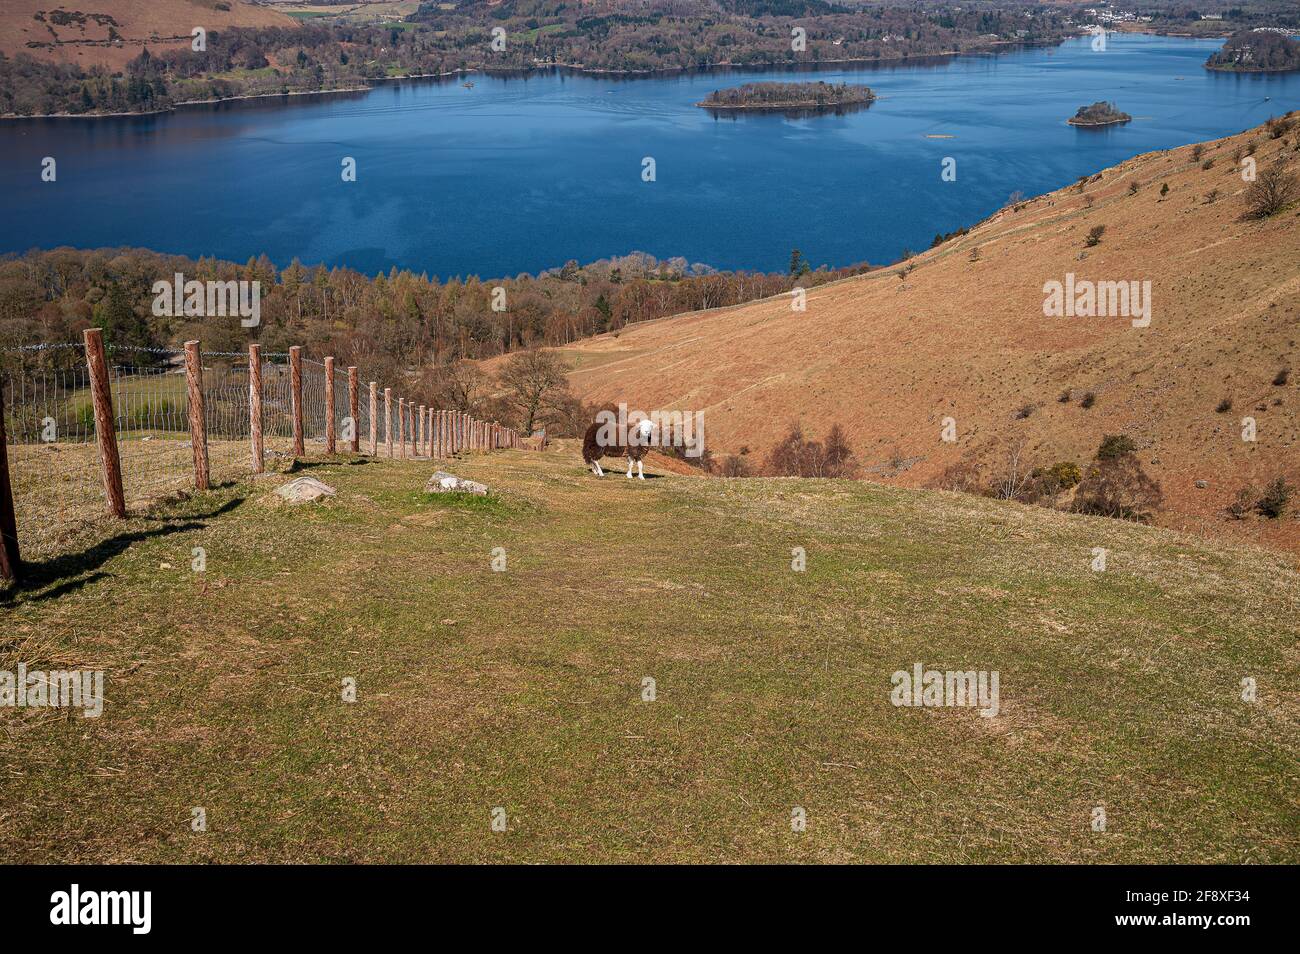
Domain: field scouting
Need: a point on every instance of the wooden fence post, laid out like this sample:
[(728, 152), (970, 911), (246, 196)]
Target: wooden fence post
[(374, 419), (10, 561), (331, 442), (255, 407), (388, 420), (295, 388), (401, 425), (105, 428), (198, 418), (354, 408), (419, 444)]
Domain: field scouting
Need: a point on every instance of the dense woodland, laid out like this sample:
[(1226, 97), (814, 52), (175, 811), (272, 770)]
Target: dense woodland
[(395, 325), (613, 35), (1250, 51)]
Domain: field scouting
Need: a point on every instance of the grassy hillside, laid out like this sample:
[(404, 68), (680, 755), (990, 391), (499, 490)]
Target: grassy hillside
[(961, 333), (522, 689)]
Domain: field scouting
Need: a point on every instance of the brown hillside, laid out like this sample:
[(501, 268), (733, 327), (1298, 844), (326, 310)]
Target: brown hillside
[(889, 358), (79, 32)]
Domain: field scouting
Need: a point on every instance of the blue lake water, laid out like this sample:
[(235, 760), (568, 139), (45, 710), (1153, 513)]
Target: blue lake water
[(523, 173)]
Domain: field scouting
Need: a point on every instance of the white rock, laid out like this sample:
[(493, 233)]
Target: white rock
[(442, 482), (304, 490)]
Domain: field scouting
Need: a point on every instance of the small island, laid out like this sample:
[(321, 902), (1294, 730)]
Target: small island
[(796, 98), (1098, 114), (1256, 51)]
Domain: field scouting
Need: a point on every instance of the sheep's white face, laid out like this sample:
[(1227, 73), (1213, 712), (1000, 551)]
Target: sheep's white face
[(643, 433)]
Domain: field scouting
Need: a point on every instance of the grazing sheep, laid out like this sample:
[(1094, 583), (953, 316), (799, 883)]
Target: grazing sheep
[(639, 439)]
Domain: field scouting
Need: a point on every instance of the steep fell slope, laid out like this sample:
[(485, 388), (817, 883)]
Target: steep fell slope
[(963, 335)]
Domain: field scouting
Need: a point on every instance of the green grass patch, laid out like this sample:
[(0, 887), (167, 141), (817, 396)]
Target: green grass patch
[(523, 689)]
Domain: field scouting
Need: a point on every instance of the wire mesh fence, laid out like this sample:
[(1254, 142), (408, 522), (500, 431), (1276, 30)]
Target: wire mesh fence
[(58, 480)]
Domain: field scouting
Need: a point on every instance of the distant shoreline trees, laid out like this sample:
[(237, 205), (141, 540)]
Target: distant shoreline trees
[(601, 36), (1256, 51)]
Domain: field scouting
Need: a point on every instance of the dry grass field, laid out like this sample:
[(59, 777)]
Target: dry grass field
[(960, 332), (523, 689)]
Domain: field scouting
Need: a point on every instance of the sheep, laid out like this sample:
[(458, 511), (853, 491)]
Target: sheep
[(640, 437)]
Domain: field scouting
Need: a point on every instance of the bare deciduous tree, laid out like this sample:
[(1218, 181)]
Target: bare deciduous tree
[(1274, 189), (536, 388)]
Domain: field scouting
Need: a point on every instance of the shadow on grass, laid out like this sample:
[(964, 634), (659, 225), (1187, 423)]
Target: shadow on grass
[(300, 465), (66, 570)]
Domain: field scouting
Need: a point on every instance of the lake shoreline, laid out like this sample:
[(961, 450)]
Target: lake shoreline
[(997, 49)]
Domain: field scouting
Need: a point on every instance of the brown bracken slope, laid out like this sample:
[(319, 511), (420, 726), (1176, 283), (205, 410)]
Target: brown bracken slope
[(79, 32), (890, 357)]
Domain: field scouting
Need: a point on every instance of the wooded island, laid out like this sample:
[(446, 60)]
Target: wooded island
[(1098, 114), (809, 97)]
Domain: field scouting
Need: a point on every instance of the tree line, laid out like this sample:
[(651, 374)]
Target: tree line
[(610, 35), (397, 325)]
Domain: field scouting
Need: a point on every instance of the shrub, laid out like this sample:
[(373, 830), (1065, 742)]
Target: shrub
[(1118, 488), (1273, 501), (1208, 164), (1062, 475), (1088, 401), (1282, 377), (1065, 397), (1094, 236), (736, 466), (797, 456), (1197, 151), (1164, 189), (1132, 188), (1224, 406), (1244, 503), (1024, 411), (1115, 446), (1277, 128), (1273, 190)]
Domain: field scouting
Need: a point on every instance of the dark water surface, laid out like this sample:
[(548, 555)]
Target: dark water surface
[(523, 173)]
